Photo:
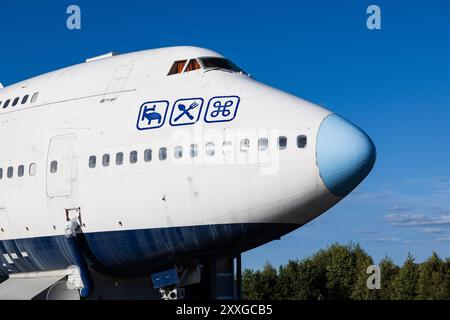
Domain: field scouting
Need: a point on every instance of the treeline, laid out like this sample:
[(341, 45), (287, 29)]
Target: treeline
[(339, 273)]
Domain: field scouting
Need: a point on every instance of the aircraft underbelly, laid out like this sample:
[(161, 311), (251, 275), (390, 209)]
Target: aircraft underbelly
[(139, 252)]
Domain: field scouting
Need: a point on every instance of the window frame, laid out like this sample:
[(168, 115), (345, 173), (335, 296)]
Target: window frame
[(133, 159), (92, 162), (208, 149), (189, 62), (6, 104), (106, 160), (34, 97), (32, 169), (53, 166), (10, 172), (280, 138), (162, 154), (178, 152), (302, 136), (21, 171), (119, 158), (227, 147), (244, 145), (266, 145), (25, 99), (148, 155), (15, 101), (174, 65), (193, 150)]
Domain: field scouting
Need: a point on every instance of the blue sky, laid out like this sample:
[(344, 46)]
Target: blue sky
[(392, 82)]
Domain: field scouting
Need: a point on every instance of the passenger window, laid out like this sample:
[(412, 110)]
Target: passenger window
[(245, 145), (53, 166), (210, 149), (25, 99), (92, 162), (1, 173), (6, 104), (16, 100), (193, 150), (10, 172), (162, 154), (177, 67), (193, 65), (148, 155), (178, 152), (21, 171), (119, 158), (133, 157), (32, 169), (34, 97), (106, 160), (226, 147), (263, 144), (302, 141), (282, 143)]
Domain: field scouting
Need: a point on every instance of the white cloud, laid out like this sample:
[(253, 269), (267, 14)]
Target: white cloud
[(417, 220), (433, 230)]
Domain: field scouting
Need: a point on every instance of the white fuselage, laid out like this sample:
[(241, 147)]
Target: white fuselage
[(94, 109)]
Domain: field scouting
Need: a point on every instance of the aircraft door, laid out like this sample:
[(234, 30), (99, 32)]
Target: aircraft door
[(5, 232), (61, 166)]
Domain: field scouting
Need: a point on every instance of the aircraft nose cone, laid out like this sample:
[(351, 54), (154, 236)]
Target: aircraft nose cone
[(345, 155)]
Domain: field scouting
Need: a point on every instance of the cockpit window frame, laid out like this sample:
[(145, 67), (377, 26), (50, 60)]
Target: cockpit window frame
[(238, 69), (174, 65), (191, 60), (174, 69)]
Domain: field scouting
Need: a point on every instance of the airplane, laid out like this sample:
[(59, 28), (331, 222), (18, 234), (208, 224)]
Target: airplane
[(89, 183)]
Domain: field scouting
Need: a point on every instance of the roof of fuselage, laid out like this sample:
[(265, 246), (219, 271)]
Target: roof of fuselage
[(163, 54)]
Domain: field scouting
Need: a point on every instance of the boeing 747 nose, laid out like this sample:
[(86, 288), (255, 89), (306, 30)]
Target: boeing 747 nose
[(345, 155)]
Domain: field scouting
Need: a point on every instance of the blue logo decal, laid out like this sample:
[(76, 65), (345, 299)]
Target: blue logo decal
[(186, 111), (152, 115), (222, 109)]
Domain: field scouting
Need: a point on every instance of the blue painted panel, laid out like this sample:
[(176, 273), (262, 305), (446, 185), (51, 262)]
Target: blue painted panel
[(142, 252), (165, 278)]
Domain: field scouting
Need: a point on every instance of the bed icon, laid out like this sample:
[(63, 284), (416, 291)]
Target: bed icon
[(152, 115)]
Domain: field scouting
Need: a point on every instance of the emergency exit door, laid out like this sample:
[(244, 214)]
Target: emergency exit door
[(61, 166)]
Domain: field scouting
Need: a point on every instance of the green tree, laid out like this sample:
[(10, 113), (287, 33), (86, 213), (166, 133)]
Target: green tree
[(433, 282), (288, 281), (339, 271), (249, 284), (405, 283), (260, 285), (361, 261), (269, 282), (389, 271)]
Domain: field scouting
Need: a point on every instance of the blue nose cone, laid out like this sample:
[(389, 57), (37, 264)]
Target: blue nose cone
[(345, 155)]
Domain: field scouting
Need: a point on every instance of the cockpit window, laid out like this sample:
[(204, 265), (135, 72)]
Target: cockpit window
[(177, 67), (192, 65), (206, 63), (211, 63)]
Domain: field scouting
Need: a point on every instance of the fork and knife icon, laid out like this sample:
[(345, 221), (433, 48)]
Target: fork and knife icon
[(185, 111)]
